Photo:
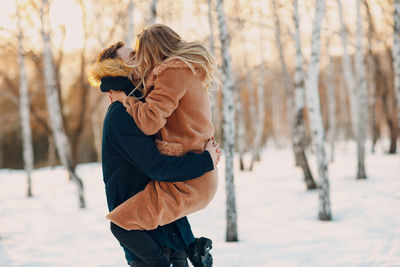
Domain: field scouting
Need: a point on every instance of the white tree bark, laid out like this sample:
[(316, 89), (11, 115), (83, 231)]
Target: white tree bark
[(348, 72), (314, 111), (215, 108), (396, 55), (299, 137), (24, 108), (130, 29), (52, 99), (362, 96), (228, 124)]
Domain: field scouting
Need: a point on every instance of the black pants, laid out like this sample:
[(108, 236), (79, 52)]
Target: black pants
[(147, 249), (177, 258)]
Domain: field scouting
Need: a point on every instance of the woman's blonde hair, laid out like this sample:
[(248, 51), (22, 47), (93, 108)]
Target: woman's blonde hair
[(159, 43)]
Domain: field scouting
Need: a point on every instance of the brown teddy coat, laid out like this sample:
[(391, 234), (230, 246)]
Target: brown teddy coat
[(178, 110)]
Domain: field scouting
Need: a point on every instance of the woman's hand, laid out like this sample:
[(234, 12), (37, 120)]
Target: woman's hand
[(215, 151), (117, 96)]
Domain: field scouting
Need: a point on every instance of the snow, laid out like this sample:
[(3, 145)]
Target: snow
[(277, 217)]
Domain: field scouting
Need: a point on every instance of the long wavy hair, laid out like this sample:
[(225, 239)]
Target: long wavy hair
[(159, 43)]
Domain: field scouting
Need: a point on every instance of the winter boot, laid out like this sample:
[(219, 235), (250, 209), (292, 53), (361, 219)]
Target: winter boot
[(199, 252)]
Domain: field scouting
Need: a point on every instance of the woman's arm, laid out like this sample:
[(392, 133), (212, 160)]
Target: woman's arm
[(151, 116), (142, 152)]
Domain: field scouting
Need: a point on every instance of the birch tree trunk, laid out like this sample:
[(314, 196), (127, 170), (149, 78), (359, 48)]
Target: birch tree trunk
[(252, 111), (372, 88), (330, 85), (51, 152), (153, 12), (396, 55), (299, 138), (82, 90), (241, 134), (259, 129), (260, 118), (24, 108), (215, 107), (314, 111), (286, 78), (61, 141), (348, 72), (228, 124), (130, 29), (362, 110)]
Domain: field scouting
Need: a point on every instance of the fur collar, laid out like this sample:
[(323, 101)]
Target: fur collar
[(108, 68)]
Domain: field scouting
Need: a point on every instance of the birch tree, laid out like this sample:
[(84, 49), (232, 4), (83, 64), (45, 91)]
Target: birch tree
[(52, 98), (362, 110), (215, 107), (240, 118), (396, 55), (241, 131), (130, 29), (24, 107), (253, 113), (372, 89), (260, 117), (299, 137), (286, 78), (348, 72), (228, 124), (329, 81), (81, 88), (314, 111)]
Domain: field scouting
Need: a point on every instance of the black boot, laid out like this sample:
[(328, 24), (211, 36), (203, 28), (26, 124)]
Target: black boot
[(199, 252)]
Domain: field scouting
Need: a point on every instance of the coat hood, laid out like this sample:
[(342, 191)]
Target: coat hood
[(114, 67)]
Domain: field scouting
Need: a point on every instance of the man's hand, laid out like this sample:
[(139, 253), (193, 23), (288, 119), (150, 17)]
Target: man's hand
[(117, 96), (215, 151)]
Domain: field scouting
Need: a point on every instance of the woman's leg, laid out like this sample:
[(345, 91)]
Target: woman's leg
[(161, 203), (142, 245)]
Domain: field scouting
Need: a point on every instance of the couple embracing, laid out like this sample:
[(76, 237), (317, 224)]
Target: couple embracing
[(159, 156)]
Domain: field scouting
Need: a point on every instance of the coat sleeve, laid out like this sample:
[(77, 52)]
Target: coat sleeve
[(169, 88), (141, 151)]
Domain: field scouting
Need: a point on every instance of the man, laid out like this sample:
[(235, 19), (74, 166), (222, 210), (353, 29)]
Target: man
[(129, 158)]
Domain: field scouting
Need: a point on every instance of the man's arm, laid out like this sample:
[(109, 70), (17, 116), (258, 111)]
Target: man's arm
[(142, 152)]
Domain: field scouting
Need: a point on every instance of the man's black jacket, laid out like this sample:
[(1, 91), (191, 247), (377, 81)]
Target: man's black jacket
[(130, 159)]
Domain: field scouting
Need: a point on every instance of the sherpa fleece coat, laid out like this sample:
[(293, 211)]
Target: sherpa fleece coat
[(178, 109)]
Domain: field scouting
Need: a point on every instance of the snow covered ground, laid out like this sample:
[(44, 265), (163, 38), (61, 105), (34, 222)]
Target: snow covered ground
[(277, 218)]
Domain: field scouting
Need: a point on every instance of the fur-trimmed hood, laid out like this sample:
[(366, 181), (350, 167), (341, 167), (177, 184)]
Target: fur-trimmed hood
[(108, 68)]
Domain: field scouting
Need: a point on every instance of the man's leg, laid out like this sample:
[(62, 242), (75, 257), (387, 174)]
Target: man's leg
[(179, 258), (142, 245)]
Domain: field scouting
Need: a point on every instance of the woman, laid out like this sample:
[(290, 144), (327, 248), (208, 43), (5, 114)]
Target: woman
[(123, 142), (175, 75)]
